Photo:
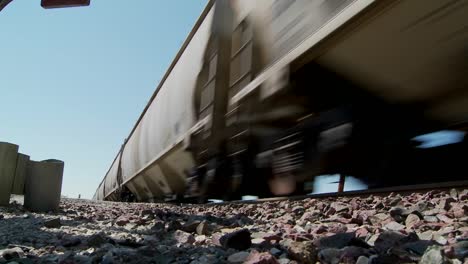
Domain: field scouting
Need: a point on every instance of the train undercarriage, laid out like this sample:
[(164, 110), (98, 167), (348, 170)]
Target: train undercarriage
[(341, 130)]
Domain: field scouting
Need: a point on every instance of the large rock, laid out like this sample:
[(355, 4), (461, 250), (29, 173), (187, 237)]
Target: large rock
[(238, 257), (340, 241), (260, 258), (96, 240), (433, 255), (362, 260), (329, 256), (190, 227), (411, 220), (183, 237), (12, 253), (239, 240), (202, 228), (461, 249), (394, 226), (70, 242), (122, 220), (303, 252), (53, 223), (417, 247), (352, 253), (340, 207), (378, 218), (390, 239)]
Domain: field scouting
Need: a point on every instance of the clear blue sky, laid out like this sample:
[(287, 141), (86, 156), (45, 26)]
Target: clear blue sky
[(74, 81)]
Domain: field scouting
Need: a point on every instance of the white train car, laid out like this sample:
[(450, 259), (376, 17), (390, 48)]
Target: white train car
[(404, 51)]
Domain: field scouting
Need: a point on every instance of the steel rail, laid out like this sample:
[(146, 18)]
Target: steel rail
[(404, 189)]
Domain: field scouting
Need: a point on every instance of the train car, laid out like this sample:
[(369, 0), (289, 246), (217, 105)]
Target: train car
[(265, 95)]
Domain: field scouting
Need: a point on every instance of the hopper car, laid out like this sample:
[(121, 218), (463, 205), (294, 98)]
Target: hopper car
[(266, 95)]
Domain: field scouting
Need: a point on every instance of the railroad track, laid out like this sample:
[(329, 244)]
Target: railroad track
[(404, 189)]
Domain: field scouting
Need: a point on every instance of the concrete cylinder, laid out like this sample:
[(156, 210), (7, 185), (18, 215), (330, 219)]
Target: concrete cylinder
[(43, 185), (20, 174), (8, 155)]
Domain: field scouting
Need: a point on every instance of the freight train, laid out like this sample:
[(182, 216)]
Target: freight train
[(266, 95)]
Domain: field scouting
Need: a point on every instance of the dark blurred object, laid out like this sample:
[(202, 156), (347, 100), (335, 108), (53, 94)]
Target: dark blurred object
[(4, 3), (64, 3)]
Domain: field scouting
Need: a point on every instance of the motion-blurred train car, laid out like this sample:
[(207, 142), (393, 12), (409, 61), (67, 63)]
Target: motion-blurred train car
[(265, 95)]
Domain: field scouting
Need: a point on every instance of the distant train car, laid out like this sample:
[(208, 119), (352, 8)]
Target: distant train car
[(265, 95)]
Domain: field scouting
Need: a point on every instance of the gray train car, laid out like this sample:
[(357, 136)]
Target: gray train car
[(264, 95)]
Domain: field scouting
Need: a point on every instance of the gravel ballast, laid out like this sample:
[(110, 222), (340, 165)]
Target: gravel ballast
[(429, 227)]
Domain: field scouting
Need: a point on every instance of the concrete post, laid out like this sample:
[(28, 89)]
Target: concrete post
[(8, 155), (20, 174), (43, 185)]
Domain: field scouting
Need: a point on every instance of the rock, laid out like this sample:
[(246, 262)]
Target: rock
[(454, 193), (421, 206), (440, 239), (96, 240), (122, 220), (384, 259), (444, 218), (357, 220), (183, 237), (394, 201), (431, 219), (71, 242), (459, 210), (200, 239), (340, 207), (298, 209), (362, 260), (267, 236), (426, 235), (174, 225), (433, 255), (303, 252), (461, 249), (238, 257), (276, 252), (340, 241), (329, 256), (239, 240), (53, 223), (445, 203), (411, 220), (378, 205), (260, 258), (12, 253), (351, 253), (389, 239), (202, 228), (258, 241), (146, 212), (417, 247), (320, 229), (378, 218), (158, 226), (394, 226), (337, 227), (362, 232), (190, 227), (148, 251), (310, 216)]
